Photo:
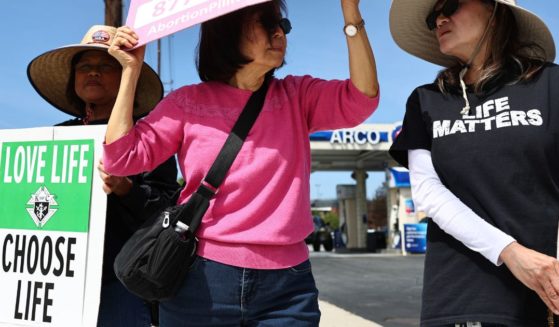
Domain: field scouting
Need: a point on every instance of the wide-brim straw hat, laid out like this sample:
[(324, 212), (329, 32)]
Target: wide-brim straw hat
[(409, 30), (49, 74)]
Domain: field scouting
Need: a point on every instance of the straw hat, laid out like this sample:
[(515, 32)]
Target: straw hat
[(49, 74), (408, 28)]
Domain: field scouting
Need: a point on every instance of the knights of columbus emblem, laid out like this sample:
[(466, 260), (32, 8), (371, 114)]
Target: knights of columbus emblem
[(42, 209)]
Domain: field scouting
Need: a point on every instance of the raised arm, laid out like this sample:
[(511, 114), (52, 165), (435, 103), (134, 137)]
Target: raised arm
[(362, 67), (121, 120)]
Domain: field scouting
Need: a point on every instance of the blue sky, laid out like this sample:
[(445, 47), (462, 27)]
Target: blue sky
[(316, 46)]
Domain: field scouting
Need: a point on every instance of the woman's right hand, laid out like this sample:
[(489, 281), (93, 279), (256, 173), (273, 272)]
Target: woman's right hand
[(124, 40), (121, 122), (537, 271)]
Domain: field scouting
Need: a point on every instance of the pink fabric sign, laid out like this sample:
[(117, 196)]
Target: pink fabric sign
[(154, 19)]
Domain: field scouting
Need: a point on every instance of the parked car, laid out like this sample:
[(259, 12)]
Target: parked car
[(321, 235)]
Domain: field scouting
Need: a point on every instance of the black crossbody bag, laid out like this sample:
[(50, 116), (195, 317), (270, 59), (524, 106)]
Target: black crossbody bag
[(154, 262)]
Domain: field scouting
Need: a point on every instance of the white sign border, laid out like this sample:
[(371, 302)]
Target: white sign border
[(98, 205)]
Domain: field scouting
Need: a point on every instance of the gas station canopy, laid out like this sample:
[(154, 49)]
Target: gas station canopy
[(362, 147)]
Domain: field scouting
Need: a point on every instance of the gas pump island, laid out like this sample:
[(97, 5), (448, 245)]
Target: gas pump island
[(358, 150)]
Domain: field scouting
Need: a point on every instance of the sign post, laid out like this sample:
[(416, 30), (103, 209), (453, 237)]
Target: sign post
[(52, 216)]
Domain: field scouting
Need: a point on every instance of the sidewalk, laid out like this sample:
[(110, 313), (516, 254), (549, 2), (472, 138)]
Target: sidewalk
[(332, 316)]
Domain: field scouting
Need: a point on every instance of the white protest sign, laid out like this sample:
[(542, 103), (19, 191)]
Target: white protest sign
[(52, 222), (154, 19)]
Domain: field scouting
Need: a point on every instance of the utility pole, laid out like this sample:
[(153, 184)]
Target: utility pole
[(113, 12)]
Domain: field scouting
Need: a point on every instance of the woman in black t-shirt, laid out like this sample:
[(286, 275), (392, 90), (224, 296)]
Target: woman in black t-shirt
[(481, 144)]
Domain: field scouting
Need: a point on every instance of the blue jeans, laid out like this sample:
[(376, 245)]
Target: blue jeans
[(120, 308), (214, 294)]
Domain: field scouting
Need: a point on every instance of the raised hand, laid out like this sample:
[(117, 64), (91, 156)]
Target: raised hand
[(125, 39)]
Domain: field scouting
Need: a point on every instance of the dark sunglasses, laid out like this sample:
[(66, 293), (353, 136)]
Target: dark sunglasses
[(448, 9), (271, 25), (285, 25)]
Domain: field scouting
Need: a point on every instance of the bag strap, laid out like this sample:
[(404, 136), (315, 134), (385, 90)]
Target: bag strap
[(191, 212), (211, 183)]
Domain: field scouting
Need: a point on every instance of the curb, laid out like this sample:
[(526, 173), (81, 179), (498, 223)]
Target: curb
[(332, 316)]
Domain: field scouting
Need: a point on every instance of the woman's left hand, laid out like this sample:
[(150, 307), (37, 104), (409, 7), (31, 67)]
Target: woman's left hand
[(537, 271), (114, 184), (362, 66)]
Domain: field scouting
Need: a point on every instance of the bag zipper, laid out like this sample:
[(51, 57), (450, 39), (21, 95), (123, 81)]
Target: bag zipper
[(166, 220)]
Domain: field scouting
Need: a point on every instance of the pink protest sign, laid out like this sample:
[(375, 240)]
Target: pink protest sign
[(154, 19)]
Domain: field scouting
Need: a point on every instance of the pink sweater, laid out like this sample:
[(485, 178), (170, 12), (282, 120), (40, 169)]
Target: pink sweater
[(261, 215)]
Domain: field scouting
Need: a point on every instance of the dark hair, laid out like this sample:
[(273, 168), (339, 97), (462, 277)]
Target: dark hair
[(71, 94), (509, 60), (219, 55)]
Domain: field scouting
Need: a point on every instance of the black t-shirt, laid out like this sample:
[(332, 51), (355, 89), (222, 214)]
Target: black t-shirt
[(502, 161)]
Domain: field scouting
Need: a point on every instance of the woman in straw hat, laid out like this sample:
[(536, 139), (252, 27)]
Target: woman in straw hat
[(253, 267), (83, 81), (481, 146)]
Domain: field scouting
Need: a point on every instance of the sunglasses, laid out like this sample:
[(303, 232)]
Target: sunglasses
[(102, 68), (448, 9), (271, 25), (285, 25)]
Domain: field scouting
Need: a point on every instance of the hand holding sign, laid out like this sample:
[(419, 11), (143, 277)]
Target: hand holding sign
[(125, 39), (114, 184), (154, 19)]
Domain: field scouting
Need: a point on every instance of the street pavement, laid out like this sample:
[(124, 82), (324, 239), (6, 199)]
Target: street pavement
[(368, 290)]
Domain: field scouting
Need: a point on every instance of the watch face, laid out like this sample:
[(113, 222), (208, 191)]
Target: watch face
[(350, 30)]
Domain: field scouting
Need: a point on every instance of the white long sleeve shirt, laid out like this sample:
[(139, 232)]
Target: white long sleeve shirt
[(449, 212)]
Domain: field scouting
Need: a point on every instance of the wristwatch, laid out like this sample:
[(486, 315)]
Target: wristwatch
[(352, 29)]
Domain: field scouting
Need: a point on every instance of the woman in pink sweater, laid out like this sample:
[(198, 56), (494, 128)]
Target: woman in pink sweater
[(253, 265)]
